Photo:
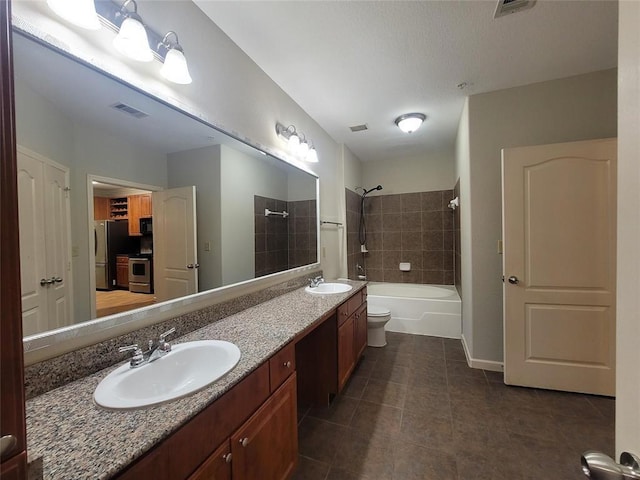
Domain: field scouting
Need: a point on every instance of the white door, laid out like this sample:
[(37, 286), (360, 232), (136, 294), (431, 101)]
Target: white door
[(559, 233), (43, 205), (174, 243)]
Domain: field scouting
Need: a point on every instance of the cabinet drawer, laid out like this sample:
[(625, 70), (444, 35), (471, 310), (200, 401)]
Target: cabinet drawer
[(123, 259), (349, 307), (281, 365)]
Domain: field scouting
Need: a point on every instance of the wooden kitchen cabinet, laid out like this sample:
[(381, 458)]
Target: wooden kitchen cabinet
[(122, 271), (360, 336), (139, 207), (101, 208)]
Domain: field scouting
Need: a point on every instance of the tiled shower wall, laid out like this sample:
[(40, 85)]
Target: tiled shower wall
[(410, 227), (284, 243)]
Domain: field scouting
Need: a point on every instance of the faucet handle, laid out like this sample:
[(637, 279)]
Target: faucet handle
[(129, 347), (167, 333), (138, 355)]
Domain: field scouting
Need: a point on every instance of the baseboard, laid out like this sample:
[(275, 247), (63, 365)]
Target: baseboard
[(490, 365)]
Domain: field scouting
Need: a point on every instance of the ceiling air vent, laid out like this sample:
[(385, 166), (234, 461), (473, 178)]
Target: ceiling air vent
[(129, 110), (359, 128), (505, 7)]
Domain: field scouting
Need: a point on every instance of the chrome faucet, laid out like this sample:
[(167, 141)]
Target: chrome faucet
[(314, 282), (154, 352)]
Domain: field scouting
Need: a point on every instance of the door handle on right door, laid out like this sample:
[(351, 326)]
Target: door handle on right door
[(598, 466), (513, 280)]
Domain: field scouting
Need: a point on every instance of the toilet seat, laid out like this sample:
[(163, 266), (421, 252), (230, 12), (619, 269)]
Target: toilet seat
[(376, 311)]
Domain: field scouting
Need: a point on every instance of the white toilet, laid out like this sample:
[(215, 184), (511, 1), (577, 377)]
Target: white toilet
[(377, 317)]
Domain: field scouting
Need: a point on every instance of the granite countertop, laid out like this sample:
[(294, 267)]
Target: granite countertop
[(76, 439)]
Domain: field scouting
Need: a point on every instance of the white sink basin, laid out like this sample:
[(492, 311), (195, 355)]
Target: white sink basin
[(329, 288), (187, 368)]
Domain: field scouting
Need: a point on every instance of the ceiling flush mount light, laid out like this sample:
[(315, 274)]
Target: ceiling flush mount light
[(410, 122), (82, 13), (175, 67), (132, 40), (297, 143)]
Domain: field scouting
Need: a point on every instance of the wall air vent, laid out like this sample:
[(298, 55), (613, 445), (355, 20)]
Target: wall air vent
[(505, 7), (129, 110), (359, 128)]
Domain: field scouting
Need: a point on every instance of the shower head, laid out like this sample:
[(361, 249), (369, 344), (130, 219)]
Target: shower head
[(366, 192)]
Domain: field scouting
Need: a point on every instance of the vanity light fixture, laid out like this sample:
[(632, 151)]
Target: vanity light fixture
[(132, 40), (175, 67), (81, 13), (410, 122), (297, 143)]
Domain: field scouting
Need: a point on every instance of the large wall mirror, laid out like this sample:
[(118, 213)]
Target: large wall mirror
[(126, 202)]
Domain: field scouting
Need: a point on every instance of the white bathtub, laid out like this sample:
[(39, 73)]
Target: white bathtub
[(419, 309)]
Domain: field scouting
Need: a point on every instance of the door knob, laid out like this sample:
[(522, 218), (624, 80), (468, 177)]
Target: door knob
[(190, 265), (47, 281), (227, 458), (513, 280), (57, 280), (7, 444), (244, 441)]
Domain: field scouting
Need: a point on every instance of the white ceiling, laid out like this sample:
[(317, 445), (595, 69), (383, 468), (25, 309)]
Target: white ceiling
[(352, 62)]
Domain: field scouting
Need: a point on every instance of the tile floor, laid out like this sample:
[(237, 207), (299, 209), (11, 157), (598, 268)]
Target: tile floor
[(415, 410)]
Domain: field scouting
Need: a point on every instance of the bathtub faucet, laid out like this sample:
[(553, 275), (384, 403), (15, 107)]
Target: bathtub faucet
[(314, 282)]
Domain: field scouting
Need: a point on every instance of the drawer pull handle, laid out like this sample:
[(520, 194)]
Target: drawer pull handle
[(244, 441), (227, 457), (287, 364)]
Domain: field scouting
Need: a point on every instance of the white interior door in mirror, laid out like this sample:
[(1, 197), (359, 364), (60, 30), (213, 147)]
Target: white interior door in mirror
[(43, 200), (174, 243)]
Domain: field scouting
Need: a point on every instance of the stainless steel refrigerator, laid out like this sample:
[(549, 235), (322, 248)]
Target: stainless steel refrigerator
[(111, 238)]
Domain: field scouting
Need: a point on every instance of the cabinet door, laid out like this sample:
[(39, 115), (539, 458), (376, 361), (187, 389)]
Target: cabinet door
[(101, 210), (122, 275), (266, 446), (360, 331), (217, 466), (346, 354), (145, 205), (133, 210)]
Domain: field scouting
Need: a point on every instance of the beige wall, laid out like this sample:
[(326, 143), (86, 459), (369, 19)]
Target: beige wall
[(628, 282), (422, 174), (575, 108)]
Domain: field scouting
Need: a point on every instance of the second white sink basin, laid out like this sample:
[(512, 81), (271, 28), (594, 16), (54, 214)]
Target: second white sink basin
[(329, 288), (187, 368)]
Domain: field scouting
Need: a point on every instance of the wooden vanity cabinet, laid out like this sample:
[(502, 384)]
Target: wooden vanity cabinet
[(266, 446), (250, 432), (217, 466), (352, 334)]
